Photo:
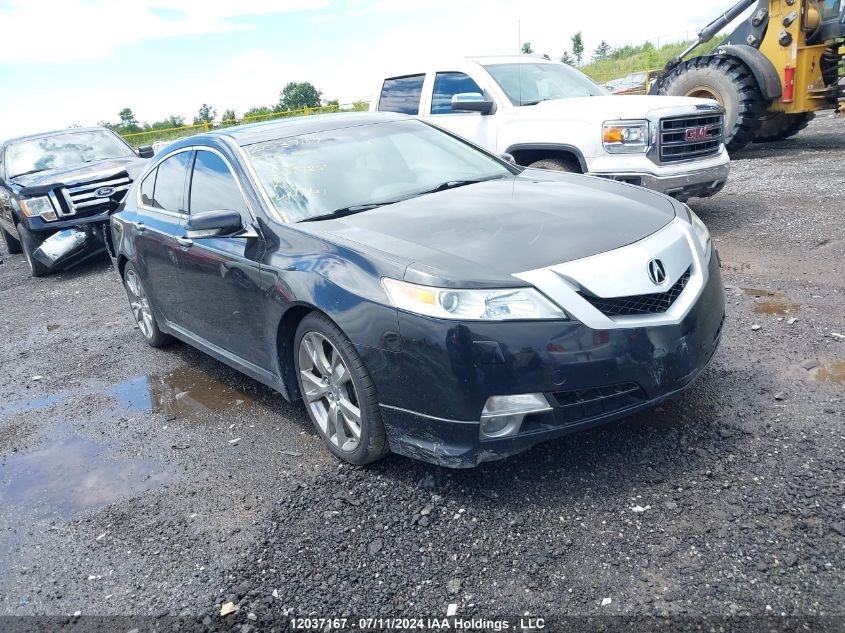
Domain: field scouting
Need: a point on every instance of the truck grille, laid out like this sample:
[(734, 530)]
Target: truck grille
[(640, 304), (82, 200), (689, 138)]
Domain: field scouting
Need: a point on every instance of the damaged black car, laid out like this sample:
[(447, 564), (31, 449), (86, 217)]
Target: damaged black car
[(57, 190)]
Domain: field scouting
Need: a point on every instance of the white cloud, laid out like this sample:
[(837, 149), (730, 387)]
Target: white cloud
[(70, 30)]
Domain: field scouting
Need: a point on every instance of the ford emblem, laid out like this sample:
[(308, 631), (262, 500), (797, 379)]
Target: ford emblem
[(104, 192)]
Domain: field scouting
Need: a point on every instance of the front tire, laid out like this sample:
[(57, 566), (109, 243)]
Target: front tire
[(728, 81), (556, 164), (141, 310), (29, 244), (778, 126), (12, 245), (339, 394)]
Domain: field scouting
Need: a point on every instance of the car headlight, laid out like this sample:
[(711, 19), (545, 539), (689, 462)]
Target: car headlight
[(506, 304), (625, 137), (40, 207), (701, 233)]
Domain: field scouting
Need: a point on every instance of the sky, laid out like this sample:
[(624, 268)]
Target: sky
[(79, 62)]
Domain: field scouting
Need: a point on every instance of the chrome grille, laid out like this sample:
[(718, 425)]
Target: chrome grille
[(82, 199), (640, 304), (692, 137)]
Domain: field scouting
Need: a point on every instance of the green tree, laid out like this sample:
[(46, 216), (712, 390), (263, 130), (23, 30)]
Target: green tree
[(229, 116), (360, 106), (578, 48), (526, 48), (567, 58), (331, 105), (260, 111), (298, 95), (603, 51), (128, 123), (206, 114)]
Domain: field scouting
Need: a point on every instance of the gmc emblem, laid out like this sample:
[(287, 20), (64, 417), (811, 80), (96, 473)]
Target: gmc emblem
[(697, 134)]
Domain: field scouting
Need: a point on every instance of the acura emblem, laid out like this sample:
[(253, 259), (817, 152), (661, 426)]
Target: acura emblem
[(656, 272), (104, 192)]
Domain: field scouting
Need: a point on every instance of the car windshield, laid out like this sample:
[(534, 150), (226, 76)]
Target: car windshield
[(314, 175), (531, 83), (63, 150)]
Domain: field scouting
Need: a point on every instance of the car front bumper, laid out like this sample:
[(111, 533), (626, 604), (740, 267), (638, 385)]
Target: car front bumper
[(433, 394)]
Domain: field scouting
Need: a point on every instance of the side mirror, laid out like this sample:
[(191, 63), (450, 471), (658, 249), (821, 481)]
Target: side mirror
[(214, 224), (146, 152), (508, 157), (472, 102)]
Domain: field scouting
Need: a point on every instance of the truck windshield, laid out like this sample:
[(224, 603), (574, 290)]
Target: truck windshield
[(530, 83), (331, 172), (63, 150)]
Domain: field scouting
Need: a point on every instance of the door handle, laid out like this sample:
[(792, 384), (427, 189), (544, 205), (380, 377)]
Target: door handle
[(184, 241)]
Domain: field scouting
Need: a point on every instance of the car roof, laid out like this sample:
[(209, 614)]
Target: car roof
[(295, 126), (69, 130)]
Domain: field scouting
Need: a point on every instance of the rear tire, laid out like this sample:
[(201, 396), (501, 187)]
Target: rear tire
[(727, 81), (29, 244), (142, 311), (12, 245), (338, 392), (556, 164), (779, 125)]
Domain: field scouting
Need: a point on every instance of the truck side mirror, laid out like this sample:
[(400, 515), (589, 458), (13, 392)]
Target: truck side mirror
[(472, 102), (146, 152)]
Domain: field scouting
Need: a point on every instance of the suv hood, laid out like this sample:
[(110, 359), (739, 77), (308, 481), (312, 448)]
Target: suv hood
[(611, 108), (44, 181), (482, 234)]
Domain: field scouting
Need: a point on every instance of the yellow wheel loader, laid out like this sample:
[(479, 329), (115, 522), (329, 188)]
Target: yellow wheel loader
[(772, 74)]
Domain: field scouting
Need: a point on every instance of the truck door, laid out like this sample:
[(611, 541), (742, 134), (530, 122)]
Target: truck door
[(473, 126)]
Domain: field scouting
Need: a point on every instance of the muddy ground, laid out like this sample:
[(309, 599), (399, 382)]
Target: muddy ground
[(141, 481)]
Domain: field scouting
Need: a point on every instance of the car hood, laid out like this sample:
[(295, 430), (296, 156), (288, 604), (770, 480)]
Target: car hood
[(615, 107), (44, 181), (484, 233)]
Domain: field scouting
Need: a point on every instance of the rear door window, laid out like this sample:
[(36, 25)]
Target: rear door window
[(446, 86), (214, 188), (401, 94), (170, 183), (148, 188)]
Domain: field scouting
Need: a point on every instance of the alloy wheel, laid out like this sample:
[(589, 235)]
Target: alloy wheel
[(329, 391), (139, 303)]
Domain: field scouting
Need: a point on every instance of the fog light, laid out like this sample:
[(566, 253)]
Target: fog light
[(503, 415)]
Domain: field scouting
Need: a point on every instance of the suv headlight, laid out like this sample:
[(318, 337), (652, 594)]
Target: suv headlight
[(506, 304), (625, 137), (701, 233), (40, 207)]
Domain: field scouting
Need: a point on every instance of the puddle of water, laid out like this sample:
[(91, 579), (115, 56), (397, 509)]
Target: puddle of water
[(774, 303), (831, 372), (71, 475), (33, 404), (183, 393)]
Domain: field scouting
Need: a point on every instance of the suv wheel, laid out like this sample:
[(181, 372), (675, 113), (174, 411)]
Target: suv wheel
[(338, 392), (29, 244), (142, 312), (12, 245)]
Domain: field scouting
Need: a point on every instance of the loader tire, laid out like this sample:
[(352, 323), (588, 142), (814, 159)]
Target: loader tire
[(779, 125), (728, 81)]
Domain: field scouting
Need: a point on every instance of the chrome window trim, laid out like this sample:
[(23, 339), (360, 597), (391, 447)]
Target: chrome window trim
[(554, 281)]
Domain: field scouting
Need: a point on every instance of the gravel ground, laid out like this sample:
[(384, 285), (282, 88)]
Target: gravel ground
[(140, 481)]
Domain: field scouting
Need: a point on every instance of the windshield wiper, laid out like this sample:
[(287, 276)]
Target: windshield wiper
[(454, 184), (27, 173), (340, 213)]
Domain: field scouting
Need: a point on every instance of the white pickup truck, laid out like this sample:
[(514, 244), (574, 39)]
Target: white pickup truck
[(551, 116)]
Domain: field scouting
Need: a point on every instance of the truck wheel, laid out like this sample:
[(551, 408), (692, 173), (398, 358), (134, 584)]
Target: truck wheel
[(728, 81), (29, 244), (779, 125), (338, 392), (556, 164), (12, 245)]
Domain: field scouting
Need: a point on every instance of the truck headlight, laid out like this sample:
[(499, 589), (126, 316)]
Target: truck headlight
[(39, 207), (701, 234), (625, 137), (507, 304)]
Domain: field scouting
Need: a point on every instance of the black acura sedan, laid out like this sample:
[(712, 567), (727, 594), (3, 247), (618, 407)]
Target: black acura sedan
[(419, 294)]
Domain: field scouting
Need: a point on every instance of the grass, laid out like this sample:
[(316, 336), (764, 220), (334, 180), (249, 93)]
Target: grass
[(629, 59)]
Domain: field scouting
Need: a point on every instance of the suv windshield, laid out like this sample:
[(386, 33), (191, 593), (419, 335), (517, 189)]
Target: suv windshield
[(531, 83), (63, 150), (317, 174)]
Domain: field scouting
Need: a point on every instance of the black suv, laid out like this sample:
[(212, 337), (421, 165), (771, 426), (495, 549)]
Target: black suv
[(57, 190)]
